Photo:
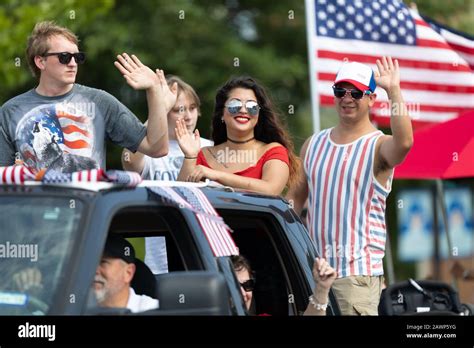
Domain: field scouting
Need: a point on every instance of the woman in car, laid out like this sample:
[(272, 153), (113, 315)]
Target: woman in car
[(323, 275), (252, 150)]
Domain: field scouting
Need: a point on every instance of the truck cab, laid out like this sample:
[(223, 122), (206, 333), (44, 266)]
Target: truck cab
[(60, 231)]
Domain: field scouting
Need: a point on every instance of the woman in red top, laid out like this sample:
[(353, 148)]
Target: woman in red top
[(251, 148)]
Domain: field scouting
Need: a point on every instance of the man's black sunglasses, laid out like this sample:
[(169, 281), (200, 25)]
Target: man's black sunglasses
[(248, 285), (65, 57), (340, 92)]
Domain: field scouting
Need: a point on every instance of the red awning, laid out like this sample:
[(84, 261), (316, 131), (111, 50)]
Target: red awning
[(442, 151)]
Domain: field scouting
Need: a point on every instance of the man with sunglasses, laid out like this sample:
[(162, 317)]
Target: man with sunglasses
[(348, 174), (62, 125)]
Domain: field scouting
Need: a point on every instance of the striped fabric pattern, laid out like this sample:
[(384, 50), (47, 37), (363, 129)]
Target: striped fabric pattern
[(18, 174), (55, 177), (346, 214), (131, 179), (215, 229), (127, 178), (15, 175)]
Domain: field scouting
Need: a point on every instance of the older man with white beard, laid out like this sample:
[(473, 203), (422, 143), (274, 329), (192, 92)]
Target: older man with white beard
[(114, 275)]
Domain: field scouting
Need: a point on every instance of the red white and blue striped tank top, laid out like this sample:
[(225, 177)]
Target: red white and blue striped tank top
[(346, 208)]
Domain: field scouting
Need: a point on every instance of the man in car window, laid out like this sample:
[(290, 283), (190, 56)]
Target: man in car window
[(114, 275)]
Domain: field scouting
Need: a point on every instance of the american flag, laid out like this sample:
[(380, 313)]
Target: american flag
[(15, 175), (215, 229), (437, 79), (123, 177), (92, 175), (460, 42), (52, 176)]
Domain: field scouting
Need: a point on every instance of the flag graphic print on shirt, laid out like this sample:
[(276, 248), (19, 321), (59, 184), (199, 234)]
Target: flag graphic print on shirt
[(77, 132), (436, 63), (57, 136)]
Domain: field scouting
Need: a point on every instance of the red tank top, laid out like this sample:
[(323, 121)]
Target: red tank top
[(255, 171)]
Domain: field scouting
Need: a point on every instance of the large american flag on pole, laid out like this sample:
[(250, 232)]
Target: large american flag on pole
[(215, 229), (436, 66)]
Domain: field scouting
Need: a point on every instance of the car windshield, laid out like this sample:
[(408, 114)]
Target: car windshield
[(36, 235)]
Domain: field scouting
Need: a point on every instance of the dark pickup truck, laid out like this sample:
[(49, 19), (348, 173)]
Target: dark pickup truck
[(61, 231)]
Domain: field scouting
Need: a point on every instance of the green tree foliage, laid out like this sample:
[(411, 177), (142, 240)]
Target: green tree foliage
[(17, 19)]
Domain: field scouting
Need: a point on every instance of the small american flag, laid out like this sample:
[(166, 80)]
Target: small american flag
[(215, 229), (54, 177), (123, 177), (170, 197), (15, 175), (92, 175)]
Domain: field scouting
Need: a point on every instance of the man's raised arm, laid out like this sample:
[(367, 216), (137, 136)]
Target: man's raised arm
[(394, 149), (160, 99)]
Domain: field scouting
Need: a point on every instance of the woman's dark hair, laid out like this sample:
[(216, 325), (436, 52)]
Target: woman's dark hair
[(268, 129), (241, 263)]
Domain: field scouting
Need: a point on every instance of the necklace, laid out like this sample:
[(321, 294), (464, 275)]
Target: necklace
[(240, 142)]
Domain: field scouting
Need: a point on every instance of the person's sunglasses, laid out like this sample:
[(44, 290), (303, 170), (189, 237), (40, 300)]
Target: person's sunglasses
[(65, 57), (234, 106), (248, 285), (340, 92)]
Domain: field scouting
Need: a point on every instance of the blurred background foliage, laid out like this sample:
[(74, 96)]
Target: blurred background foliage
[(205, 42)]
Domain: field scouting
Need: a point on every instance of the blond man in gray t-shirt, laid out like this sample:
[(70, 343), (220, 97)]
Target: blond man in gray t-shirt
[(63, 125)]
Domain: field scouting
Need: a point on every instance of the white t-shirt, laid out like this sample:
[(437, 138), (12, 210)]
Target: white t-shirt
[(167, 167), (163, 168), (140, 303)]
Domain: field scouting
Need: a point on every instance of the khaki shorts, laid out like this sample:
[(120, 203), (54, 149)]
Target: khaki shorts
[(358, 295)]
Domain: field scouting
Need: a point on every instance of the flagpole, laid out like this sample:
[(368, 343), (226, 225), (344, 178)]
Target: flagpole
[(310, 33)]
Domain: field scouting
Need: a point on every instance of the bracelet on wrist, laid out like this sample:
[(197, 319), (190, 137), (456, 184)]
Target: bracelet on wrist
[(318, 306), (189, 157)]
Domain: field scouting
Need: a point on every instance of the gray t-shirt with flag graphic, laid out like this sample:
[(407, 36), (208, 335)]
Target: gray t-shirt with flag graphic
[(68, 132)]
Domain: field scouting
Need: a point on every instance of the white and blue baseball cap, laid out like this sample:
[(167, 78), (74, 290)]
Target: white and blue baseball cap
[(360, 75)]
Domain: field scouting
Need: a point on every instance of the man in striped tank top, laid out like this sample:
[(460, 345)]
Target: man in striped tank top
[(348, 174)]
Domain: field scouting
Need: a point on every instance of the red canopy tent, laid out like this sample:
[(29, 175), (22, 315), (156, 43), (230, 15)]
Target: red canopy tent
[(442, 151)]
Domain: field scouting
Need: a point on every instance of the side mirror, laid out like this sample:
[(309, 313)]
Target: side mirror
[(192, 293)]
